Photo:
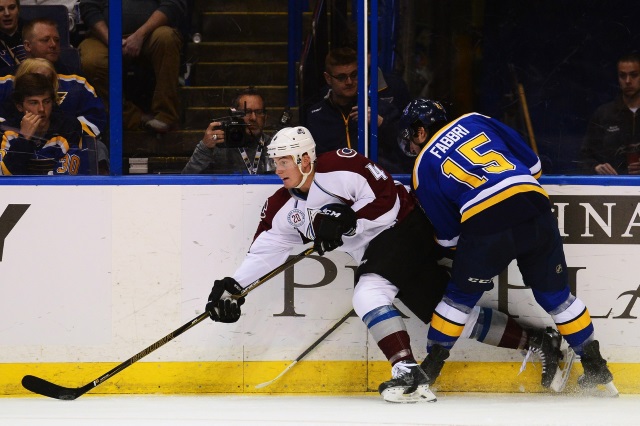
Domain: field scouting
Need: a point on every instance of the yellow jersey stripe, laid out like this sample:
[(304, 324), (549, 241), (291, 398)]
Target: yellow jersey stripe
[(576, 325), (446, 327), (510, 192)]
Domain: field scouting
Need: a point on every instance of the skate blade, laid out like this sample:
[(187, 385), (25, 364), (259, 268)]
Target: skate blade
[(564, 369), (396, 394), (611, 389), (608, 390)]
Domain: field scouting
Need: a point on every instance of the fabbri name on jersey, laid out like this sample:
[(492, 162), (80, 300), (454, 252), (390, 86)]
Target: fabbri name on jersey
[(447, 140)]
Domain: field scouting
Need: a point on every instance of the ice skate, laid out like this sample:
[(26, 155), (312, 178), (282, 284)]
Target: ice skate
[(433, 363), (545, 344), (596, 372), (564, 368), (409, 384)]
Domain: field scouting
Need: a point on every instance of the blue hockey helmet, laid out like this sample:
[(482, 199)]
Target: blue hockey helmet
[(419, 113)]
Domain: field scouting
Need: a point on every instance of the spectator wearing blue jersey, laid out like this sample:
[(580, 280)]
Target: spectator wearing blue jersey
[(11, 45), (476, 179), (43, 139), (75, 96)]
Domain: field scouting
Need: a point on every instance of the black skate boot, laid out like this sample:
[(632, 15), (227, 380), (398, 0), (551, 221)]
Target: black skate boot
[(595, 368), (409, 384), (546, 345), (433, 363)]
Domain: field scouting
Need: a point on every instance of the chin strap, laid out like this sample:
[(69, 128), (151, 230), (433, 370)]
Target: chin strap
[(304, 175)]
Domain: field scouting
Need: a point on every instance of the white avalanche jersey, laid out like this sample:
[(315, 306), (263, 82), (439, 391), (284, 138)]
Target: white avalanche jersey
[(342, 176)]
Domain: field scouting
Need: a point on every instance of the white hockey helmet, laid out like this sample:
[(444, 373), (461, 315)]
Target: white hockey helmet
[(293, 141)]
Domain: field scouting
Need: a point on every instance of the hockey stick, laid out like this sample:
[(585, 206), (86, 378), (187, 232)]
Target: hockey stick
[(266, 277), (524, 108), (309, 349), (46, 388)]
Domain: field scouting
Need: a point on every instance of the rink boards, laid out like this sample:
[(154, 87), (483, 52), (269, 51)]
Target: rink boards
[(92, 274)]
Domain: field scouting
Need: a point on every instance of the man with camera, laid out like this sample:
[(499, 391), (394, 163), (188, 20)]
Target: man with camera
[(235, 144)]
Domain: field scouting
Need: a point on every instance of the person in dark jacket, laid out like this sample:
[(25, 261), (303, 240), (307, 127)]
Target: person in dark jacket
[(212, 155), (333, 121), (612, 141), (11, 46)]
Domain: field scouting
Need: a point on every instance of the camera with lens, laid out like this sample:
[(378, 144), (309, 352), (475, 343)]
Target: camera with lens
[(234, 129)]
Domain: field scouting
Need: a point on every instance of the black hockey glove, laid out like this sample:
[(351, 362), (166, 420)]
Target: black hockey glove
[(221, 306), (330, 224)]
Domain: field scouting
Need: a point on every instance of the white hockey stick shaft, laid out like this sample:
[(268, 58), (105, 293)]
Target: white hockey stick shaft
[(309, 349), (265, 384)]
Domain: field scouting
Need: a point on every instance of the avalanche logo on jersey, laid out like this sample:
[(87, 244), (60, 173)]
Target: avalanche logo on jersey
[(346, 153), (296, 218)]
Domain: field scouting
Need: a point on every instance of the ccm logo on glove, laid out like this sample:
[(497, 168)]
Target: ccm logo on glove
[(330, 223)]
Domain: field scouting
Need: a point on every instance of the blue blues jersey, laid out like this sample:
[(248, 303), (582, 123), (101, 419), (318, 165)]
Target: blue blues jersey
[(75, 96), (60, 151), (12, 51), (468, 169)]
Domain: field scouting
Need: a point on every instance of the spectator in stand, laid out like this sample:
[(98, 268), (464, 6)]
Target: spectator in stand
[(391, 86), (251, 158), (397, 91), (43, 139), (42, 40), (612, 141), (150, 39), (76, 97), (11, 46), (333, 122)]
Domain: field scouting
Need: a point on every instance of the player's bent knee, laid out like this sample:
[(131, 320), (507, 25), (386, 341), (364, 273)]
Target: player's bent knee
[(371, 292)]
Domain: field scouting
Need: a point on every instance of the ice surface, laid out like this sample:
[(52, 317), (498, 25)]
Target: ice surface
[(363, 409)]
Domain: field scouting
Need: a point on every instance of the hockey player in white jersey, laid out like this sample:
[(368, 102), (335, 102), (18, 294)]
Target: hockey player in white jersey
[(343, 200)]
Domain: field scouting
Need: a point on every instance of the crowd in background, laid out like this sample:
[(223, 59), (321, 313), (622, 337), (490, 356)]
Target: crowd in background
[(154, 40)]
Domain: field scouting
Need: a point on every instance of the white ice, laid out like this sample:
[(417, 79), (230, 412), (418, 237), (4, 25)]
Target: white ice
[(365, 409)]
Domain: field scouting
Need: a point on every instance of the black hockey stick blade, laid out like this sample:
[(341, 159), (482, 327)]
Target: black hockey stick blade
[(46, 388)]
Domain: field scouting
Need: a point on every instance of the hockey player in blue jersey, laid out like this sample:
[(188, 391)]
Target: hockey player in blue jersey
[(476, 179)]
